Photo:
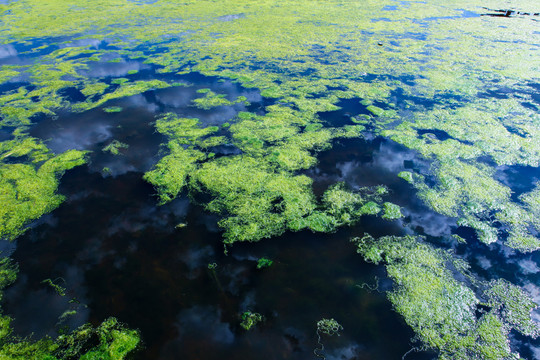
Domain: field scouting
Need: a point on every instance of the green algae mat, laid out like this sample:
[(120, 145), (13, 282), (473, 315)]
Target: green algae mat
[(454, 84)]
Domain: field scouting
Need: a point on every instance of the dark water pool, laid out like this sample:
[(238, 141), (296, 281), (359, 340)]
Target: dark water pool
[(119, 254)]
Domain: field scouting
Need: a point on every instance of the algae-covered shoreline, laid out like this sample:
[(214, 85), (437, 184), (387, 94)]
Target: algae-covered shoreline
[(458, 88)]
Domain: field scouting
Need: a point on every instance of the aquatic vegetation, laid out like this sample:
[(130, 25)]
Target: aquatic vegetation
[(264, 263), (250, 319), (391, 211), (443, 311), (112, 109), (211, 100), (114, 147), (108, 341), (28, 191), (258, 191), (253, 55), (94, 89), (59, 289), (428, 77), (328, 327)]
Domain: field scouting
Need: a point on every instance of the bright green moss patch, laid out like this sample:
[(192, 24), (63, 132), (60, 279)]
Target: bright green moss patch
[(250, 319), (443, 310), (170, 175), (513, 305), (211, 100), (391, 211), (109, 341), (112, 109), (94, 89), (258, 192), (445, 65), (466, 187), (264, 263), (27, 190), (114, 147)]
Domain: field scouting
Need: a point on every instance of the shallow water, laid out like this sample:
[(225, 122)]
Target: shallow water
[(119, 254)]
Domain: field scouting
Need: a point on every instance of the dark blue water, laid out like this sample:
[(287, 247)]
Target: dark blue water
[(119, 254)]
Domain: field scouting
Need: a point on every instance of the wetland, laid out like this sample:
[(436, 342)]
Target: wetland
[(299, 179)]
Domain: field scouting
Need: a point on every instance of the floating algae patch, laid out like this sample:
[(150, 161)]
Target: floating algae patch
[(467, 187), (446, 314), (258, 191), (307, 59), (110, 340), (211, 100), (114, 147), (29, 188)]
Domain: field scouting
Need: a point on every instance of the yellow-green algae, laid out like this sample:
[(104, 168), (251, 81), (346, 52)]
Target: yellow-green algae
[(466, 187), (28, 182), (309, 57), (250, 319), (259, 192), (443, 311), (114, 147), (108, 341), (211, 100)]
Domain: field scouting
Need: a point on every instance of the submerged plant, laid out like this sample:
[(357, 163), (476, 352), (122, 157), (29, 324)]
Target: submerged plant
[(112, 109), (444, 88), (114, 147), (259, 191), (108, 341), (250, 319), (57, 288), (328, 327), (28, 190), (443, 311), (264, 263)]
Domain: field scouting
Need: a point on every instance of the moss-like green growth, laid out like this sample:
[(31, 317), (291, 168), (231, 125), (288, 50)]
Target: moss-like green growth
[(258, 192), (513, 305), (114, 147), (94, 89), (211, 100), (466, 187), (250, 319), (28, 191), (112, 109), (329, 327), (307, 66), (443, 310), (108, 341), (391, 211), (264, 263), (57, 288)]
